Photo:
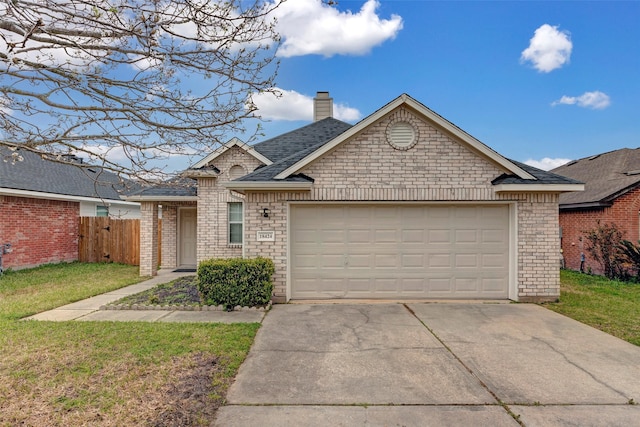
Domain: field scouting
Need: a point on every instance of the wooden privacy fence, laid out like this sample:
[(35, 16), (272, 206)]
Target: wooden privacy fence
[(103, 239)]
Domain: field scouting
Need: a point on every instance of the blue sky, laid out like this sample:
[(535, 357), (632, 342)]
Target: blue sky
[(532, 80)]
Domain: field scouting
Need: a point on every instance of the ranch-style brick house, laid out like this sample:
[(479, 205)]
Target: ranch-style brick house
[(611, 196), (41, 201), (402, 205)]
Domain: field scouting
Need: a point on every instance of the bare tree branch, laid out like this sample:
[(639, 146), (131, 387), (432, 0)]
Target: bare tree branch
[(146, 79)]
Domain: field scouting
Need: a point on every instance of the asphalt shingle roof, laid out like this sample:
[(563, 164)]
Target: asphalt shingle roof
[(606, 176), (267, 173), (287, 144), (178, 187), (542, 177), (37, 174)]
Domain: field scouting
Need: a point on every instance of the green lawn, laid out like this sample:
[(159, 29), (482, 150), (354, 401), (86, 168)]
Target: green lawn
[(611, 306), (104, 373)]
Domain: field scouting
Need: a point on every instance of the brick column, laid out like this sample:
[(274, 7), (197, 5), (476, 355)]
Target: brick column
[(208, 228), (148, 238), (169, 236)]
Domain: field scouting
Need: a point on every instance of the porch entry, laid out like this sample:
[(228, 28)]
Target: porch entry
[(187, 233)]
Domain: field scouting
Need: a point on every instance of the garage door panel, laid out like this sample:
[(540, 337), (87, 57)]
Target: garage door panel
[(467, 261), (359, 236), (384, 212), (493, 261), (413, 261), (468, 284), (413, 286), (332, 261), (386, 285), (467, 236), (492, 285), (386, 236), (442, 212), (413, 236), (305, 262), (439, 287), (494, 236), (438, 236), (331, 236), (439, 261), (359, 261), (305, 236), (411, 251), (386, 261)]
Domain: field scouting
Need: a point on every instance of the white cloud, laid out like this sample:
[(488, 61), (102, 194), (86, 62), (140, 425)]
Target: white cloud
[(292, 105), (99, 151), (547, 163), (594, 100), (549, 49), (313, 27)]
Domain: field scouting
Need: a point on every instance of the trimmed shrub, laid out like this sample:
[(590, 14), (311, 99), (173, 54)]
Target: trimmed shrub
[(236, 282)]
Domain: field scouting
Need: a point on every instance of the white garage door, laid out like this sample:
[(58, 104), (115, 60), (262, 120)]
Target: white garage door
[(399, 251)]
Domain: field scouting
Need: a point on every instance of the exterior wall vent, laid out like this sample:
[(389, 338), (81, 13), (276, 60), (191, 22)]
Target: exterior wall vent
[(401, 135)]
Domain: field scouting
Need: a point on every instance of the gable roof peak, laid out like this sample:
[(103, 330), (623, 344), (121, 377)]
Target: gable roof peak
[(432, 116), (233, 142)]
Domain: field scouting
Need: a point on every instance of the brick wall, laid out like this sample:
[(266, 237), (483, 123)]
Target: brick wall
[(538, 246), (438, 168), (40, 231), (213, 198), (624, 213)]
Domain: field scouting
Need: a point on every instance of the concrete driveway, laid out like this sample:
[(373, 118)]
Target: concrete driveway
[(432, 364)]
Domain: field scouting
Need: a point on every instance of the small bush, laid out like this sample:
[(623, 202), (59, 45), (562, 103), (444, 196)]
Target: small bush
[(236, 282), (604, 244)]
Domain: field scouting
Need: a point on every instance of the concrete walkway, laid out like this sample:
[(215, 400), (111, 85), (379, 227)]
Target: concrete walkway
[(432, 364), (89, 309)]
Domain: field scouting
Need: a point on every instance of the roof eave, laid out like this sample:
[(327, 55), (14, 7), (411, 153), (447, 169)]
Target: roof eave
[(198, 173), (241, 186), (586, 205), (439, 120), (56, 196), (537, 188), (162, 198)]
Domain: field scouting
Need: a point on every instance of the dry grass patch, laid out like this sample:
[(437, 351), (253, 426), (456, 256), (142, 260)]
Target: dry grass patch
[(109, 373), (114, 374)]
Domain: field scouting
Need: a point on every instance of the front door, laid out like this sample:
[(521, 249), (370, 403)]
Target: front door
[(187, 238)]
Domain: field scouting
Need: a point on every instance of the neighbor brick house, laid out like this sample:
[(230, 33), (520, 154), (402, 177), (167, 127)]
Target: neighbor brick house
[(41, 201), (402, 205), (611, 195)]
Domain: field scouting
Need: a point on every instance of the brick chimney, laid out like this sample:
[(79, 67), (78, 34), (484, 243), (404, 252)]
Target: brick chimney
[(322, 106)]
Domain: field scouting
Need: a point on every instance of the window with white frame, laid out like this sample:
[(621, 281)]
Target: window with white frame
[(235, 223)]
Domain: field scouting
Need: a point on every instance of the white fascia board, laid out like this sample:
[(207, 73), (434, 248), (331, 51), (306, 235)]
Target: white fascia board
[(231, 143), (538, 188), (54, 196), (162, 198), (437, 119), (267, 185)]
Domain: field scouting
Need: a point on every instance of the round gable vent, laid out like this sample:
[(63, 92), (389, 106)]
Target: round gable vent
[(401, 135), (236, 171)]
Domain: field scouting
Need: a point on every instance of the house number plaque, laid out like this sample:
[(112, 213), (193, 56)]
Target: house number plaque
[(266, 236)]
